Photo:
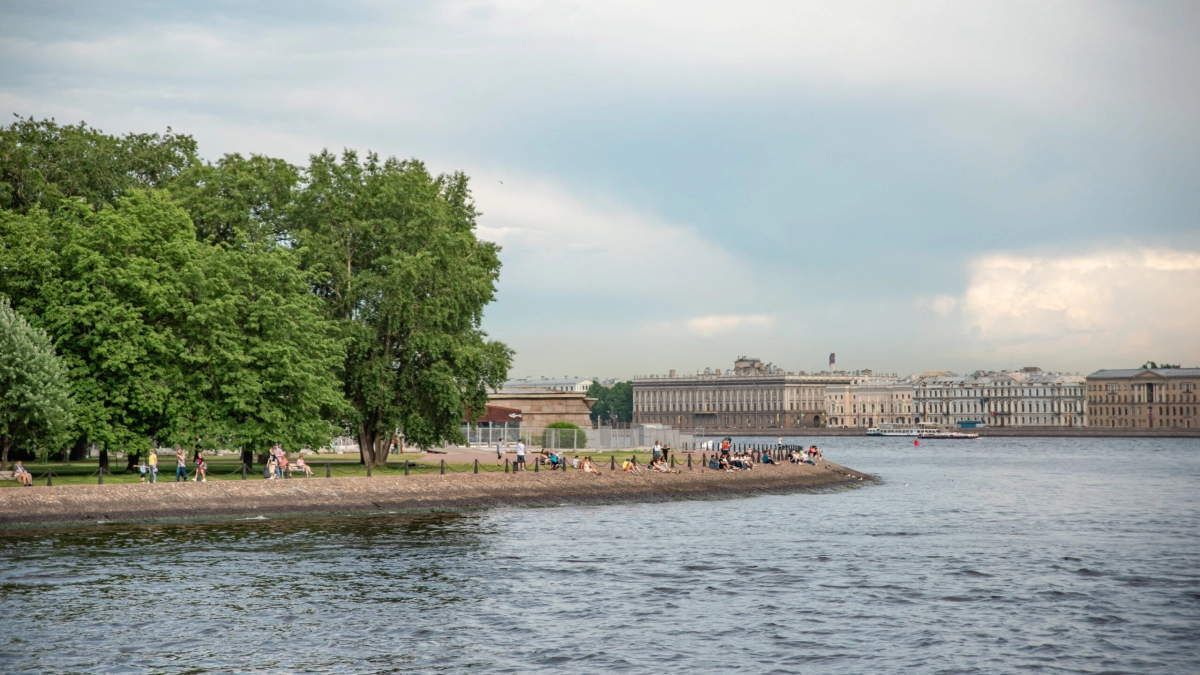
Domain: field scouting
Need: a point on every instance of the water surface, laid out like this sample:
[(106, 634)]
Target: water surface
[(988, 556)]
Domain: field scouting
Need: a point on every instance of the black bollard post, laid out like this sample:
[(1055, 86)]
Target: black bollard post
[(536, 462), (243, 471), (505, 465), (406, 467), (612, 463), (689, 461), (49, 478), (477, 465), (327, 472), (443, 467)]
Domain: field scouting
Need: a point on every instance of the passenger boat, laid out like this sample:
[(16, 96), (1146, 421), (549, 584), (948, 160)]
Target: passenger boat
[(919, 430)]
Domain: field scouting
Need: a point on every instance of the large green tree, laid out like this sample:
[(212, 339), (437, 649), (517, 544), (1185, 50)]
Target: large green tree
[(394, 256), (35, 402), (617, 399)]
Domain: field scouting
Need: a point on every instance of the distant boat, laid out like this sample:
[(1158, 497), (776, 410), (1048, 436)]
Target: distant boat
[(919, 430)]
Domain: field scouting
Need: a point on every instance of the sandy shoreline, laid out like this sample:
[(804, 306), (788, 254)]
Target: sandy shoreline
[(235, 498)]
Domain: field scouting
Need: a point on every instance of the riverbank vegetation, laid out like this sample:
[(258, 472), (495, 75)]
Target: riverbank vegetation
[(246, 301)]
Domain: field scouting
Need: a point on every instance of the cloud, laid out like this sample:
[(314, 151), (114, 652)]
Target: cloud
[(1115, 304), (709, 326), (588, 246)]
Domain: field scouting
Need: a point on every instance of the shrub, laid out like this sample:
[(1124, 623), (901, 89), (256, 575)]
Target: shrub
[(568, 435)]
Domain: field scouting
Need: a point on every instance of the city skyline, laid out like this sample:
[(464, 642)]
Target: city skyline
[(917, 187)]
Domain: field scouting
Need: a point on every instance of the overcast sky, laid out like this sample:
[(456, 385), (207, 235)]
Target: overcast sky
[(914, 186)]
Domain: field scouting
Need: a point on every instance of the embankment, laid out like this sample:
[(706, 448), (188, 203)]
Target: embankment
[(237, 498)]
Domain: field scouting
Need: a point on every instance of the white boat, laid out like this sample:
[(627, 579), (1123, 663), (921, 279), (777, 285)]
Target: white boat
[(910, 430), (919, 430)]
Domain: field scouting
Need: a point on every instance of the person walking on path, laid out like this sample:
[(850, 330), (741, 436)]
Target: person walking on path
[(201, 469), (152, 466), (277, 453), (520, 456), (180, 465)]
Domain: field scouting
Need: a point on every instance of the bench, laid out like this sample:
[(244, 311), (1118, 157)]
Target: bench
[(8, 475)]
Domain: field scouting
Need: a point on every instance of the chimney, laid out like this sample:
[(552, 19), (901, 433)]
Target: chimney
[(672, 374)]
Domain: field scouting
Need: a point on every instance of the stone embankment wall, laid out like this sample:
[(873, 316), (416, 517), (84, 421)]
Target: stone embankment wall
[(1020, 432), (236, 498)]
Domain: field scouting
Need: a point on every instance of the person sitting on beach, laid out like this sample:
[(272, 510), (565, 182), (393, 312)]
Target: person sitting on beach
[(723, 463), (301, 465), (589, 467), (22, 475), (575, 462), (661, 465), (817, 454), (794, 456), (767, 459), (630, 466)]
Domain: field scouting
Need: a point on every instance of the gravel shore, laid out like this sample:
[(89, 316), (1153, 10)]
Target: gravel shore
[(455, 491)]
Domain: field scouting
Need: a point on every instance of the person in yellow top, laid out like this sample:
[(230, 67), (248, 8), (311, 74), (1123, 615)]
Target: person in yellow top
[(153, 466), (630, 466)]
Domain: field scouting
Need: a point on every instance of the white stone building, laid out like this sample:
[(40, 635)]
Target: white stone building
[(557, 384), (869, 403), (1025, 398)]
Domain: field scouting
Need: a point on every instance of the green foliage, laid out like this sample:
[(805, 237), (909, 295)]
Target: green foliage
[(35, 403), (394, 256), (238, 197), (615, 399), (42, 163), (571, 436)]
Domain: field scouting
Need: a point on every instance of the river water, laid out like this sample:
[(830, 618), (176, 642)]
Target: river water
[(987, 556)]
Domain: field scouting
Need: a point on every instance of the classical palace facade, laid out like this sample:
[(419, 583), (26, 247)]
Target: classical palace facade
[(1144, 397), (751, 395), (870, 403), (1025, 398)]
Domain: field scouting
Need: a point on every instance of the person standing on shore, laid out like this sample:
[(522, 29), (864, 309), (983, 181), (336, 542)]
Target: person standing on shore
[(152, 466), (520, 456), (201, 469), (499, 452), (657, 450), (180, 465)]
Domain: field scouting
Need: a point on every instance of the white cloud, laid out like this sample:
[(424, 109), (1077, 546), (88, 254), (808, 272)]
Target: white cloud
[(557, 242), (709, 326), (1120, 304)]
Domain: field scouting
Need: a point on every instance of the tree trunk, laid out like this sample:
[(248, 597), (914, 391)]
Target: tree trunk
[(131, 461), (367, 436), (385, 448), (248, 457), (104, 458), (79, 450), (6, 441)]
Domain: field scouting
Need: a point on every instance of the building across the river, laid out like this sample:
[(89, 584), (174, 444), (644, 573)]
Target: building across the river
[(869, 403), (565, 383), (751, 395), (1025, 398), (1144, 397)]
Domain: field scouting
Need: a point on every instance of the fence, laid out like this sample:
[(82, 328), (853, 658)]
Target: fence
[(590, 439)]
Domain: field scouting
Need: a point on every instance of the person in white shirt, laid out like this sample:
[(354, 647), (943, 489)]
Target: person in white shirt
[(520, 456)]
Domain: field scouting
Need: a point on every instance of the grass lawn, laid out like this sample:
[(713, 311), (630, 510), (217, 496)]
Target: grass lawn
[(229, 468)]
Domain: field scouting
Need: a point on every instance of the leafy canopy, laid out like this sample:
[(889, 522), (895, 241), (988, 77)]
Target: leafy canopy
[(35, 401)]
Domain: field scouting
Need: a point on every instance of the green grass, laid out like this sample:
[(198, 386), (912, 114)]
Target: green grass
[(229, 468)]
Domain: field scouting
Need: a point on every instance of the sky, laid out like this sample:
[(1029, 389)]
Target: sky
[(913, 186)]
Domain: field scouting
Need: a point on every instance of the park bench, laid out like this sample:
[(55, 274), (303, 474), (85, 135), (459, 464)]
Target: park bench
[(8, 475)]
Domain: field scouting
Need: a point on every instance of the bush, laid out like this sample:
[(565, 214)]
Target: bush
[(563, 435)]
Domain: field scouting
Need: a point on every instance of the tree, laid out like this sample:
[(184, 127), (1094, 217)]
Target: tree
[(1165, 366), (43, 163), (250, 198), (617, 399), (35, 403), (569, 435), (394, 256)]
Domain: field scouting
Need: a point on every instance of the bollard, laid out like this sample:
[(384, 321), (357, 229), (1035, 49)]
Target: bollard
[(49, 478), (100, 472), (327, 474), (443, 467), (536, 462), (406, 467), (505, 465), (243, 471), (368, 469), (476, 465), (612, 463), (689, 461), (672, 461)]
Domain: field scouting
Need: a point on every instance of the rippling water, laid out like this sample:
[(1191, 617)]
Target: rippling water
[(997, 555)]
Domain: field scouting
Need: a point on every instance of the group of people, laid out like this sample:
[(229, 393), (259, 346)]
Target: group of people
[(279, 466), (802, 456), (149, 467)]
